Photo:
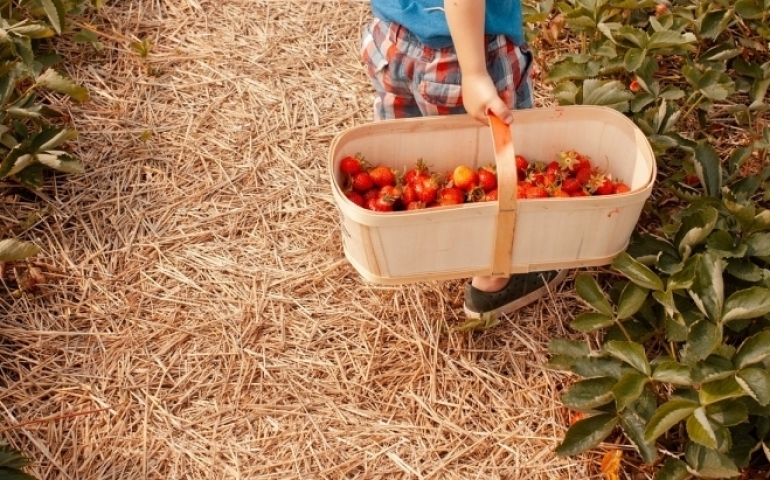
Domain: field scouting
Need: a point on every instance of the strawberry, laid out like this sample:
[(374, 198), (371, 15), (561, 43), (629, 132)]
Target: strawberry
[(691, 180), (583, 175), (558, 192), (408, 194), (371, 193), (416, 206), (390, 191), (427, 189), (464, 178), (580, 193), (491, 196), (521, 191), (621, 187), (450, 196), (355, 197), (351, 165), (571, 161), (361, 182), (553, 167), (537, 192), (382, 176), (571, 185), (419, 169), (634, 86), (604, 188), (660, 9), (487, 178), (521, 163)]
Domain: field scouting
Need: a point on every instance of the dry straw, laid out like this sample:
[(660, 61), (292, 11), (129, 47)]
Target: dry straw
[(200, 320)]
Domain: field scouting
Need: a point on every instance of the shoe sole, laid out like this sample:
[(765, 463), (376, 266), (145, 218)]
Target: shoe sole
[(523, 301)]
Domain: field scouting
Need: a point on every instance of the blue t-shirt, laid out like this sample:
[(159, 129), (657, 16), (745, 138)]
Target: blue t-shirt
[(427, 21)]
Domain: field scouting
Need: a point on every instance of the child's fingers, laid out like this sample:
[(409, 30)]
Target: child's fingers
[(500, 109)]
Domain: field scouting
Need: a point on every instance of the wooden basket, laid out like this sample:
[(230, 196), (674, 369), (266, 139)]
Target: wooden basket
[(473, 239)]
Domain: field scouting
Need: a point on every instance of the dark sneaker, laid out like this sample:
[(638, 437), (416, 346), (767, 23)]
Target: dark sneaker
[(521, 290)]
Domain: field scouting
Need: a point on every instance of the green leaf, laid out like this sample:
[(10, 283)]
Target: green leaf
[(50, 138), (708, 169), (12, 249), (588, 290), (566, 70), (758, 244), (628, 389), (634, 58), (723, 244), (703, 338), (684, 278), (589, 394), (719, 390), (699, 429), (672, 372), (32, 176), (695, 229), (667, 39), (630, 353), (606, 93), (729, 412), (666, 416), (707, 290), (570, 348), (586, 434), (631, 300), (750, 303), (673, 469), (14, 474), (712, 368), (61, 161), (748, 9), (712, 24), (637, 272), (56, 13), (53, 80), (755, 382), (753, 350), (709, 463), (590, 322), (633, 426)]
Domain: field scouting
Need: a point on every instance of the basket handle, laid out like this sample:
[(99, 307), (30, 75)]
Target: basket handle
[(505, 159)]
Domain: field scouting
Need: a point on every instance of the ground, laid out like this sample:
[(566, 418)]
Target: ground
[(199, 319)]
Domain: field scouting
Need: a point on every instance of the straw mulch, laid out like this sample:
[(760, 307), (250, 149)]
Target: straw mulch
[(199, 319)]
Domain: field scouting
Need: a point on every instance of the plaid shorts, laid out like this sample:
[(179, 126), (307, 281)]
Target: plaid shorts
[(412, 80)]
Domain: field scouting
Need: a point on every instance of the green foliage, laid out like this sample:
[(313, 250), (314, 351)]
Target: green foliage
[(12, 462), (688, 331), (30, 143)]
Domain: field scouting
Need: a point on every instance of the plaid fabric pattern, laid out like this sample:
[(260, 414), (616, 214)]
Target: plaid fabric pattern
[(412, 80)]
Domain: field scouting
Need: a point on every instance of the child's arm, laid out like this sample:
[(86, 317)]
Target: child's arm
[(466, 25)]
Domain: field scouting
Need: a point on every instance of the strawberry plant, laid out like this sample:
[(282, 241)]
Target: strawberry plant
[(679, 360)]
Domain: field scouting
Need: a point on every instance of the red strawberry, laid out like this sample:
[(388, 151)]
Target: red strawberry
[(580, 193), (537, 192), (491, 196), (634, 86), (415, 206), (553, 167), (583, 175), (390, 191), (355, 197), (450, 196), (570, 160), (419, 169), (361, 182), (409, 194), (571, 185), (382, 176), (427, 189), (464, 178), (521, 163), (371, 193), (487, 178), (521, 191), (558, 192), (691, 180), (351, 164), (621, 187), (604, 188)]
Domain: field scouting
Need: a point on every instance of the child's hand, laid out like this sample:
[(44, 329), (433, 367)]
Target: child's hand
[(480, 98)]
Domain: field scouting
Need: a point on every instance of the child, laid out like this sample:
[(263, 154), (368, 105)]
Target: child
[(436, 57)]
